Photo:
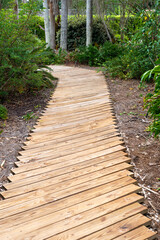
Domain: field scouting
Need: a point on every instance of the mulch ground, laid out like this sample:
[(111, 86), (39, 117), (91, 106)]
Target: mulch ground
[(23, 112), (143, 149), (127, 99)]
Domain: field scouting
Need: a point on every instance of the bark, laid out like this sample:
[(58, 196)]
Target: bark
[(101, 14), (46, 22), (52, 24), (16, 9), (107, 31), (64, 24), (89, 16), (122, 21)]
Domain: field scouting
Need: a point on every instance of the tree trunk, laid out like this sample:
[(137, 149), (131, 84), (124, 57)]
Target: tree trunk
[(52, 24), (122, 21), (16, 9), (88, 22), (107, 31), (100, 10), (46, 22), (64, 24)]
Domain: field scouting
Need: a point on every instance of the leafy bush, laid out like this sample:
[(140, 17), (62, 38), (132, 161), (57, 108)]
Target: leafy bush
[(3, 112), (36, 26), (152, 100), (109, 51), (87, 55), (94, 56), (141, 52), (21, 54), (77, 32)]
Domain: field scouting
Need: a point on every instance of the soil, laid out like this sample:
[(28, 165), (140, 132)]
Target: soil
[(23, 112), (132, 121), (143, 149)]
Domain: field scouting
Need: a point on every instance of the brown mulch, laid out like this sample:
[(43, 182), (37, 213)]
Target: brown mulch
[(23, 112), (127, 99), (143, 149)]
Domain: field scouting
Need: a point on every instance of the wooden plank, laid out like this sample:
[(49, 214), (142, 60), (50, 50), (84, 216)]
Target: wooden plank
[(53, 131), (65, 172), (58, 191), (69, 130), (66, 198), (108, 145), (72, 204), (71, 117), (46, 227), (141, 233), (120, 228), (91, 226), (50, 119), (63, 151), (72, 137), (72, 142), (70, 179), (57, 163)]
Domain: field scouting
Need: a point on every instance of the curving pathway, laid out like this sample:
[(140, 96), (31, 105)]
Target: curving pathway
[(73, 179)]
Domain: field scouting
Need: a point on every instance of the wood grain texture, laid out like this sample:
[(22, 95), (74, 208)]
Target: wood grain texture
[(73, 178)]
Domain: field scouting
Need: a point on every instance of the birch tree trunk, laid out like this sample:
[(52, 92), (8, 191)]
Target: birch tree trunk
[(88, 22), (52, 24), (46, 22), (64, 24)]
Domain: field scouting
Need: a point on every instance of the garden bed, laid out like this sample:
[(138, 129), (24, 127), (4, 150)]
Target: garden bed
[(143, 149), (23, 112)]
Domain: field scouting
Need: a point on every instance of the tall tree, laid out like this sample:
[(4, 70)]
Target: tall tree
[(89, 16), (16, 8), (46, 22), (52, 23), (64, 24), (102, 8)]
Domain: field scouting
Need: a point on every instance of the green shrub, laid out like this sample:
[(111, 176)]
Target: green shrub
[(141, 52), (152, 100), (87, 55), (133, 23), (3, 112), (94, 56), (77, 32), (36, 26), (22, 55), (109, 51)]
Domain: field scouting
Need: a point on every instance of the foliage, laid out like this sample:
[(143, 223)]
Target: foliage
[(133, 24), (87, 55), (36, 27), (141, 52), (3, 112), (95, 56), (152, 100), (21, 54), (77, 32), (29, 115)]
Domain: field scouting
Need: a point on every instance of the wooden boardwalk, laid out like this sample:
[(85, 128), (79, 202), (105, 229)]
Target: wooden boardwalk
[(74, 180)]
